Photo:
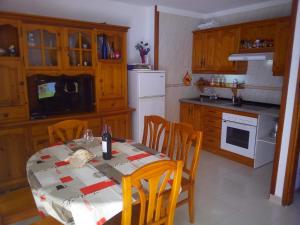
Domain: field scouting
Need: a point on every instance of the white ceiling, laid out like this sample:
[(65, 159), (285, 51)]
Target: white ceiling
[(204, 6)]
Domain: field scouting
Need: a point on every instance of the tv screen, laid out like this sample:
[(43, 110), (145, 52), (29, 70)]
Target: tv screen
[(46, 90)]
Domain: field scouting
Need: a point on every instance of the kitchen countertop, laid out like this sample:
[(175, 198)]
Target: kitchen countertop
[(251, 107)]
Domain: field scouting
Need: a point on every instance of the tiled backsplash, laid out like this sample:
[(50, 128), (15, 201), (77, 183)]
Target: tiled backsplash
[(261, 85)]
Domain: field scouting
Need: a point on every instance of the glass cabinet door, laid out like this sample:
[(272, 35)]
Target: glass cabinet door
[(109, 46), (42, 46), (80, 49)]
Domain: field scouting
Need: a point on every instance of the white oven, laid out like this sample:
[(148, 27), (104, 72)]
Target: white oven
[(239, 134)]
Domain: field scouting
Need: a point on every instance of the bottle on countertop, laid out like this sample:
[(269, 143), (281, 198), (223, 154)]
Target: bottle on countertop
[(106, 144)]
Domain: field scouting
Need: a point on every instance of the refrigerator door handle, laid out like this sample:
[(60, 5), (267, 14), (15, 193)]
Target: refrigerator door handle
[(154, 96)]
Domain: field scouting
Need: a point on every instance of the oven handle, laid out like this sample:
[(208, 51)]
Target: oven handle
[(224, 121)]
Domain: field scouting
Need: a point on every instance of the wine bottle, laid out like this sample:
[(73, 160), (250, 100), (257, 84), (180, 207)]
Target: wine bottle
[(106, 144), (104, 48)]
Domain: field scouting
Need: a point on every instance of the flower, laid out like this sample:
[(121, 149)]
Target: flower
[(143, 48)]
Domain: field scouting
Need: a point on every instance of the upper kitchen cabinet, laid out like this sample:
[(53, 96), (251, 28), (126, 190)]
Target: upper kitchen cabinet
[(283, 34), (229, 43), (79, 49), (211, 50), (42, 47), (204, 49), (212, 47), (258, 36)]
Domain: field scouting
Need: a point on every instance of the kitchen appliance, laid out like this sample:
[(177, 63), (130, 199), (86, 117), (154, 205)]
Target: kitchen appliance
[(239, 134), (251, 56), (146, 89)]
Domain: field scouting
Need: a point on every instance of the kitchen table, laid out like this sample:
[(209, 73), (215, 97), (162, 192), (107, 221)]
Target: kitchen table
[(91, 194)]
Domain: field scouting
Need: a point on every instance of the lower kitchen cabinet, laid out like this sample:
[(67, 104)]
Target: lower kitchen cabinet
[(187, 113), (13, 157)]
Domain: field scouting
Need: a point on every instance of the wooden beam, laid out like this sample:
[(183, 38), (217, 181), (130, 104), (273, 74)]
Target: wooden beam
[(283, 99), (156, 38)]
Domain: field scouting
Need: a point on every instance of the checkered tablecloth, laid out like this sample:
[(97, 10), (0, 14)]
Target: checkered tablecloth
[(88, 195)]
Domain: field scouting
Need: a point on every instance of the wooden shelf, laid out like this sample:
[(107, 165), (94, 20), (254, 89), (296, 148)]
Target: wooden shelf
[(226, 85), (110, 60), (256, 50)]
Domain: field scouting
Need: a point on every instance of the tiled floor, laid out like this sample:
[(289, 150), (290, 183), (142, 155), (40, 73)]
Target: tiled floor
[(228, 193)]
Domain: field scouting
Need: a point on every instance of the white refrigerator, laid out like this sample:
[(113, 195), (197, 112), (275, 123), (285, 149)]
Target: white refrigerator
[(146, 92)]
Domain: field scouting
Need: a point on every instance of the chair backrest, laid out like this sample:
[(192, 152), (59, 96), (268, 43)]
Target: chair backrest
[(183, 135), (156, 129), (66, 130), (157, 176)]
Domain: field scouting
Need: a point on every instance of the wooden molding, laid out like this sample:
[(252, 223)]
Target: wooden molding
[(36, 19), (293, 151), (156, 38), (283, 99)]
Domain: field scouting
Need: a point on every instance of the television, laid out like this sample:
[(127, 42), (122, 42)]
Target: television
[(58, 95)]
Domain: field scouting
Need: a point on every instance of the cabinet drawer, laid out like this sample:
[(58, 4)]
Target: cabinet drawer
[(13, 113), (212, 122), (212, 132), (110, 104), (212, 112), (211, 143)]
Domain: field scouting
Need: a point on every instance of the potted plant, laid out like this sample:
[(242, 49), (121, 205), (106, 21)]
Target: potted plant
[(144, 49)]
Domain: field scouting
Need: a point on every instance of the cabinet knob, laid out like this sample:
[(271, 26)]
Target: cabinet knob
[(5, 115), (22, 83), (1, 149)]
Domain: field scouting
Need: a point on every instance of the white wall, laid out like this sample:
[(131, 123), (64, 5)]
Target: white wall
[(289, 109), (138, 18), (175, 57)]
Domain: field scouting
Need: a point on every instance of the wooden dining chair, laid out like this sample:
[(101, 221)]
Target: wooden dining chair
[(155, 204), (66, 130), (156, 129), (185, 145)]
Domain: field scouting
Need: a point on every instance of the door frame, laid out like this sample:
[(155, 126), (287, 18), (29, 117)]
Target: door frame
[(292, 160)]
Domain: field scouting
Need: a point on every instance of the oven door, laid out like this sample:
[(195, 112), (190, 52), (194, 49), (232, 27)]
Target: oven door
[(238, 138)]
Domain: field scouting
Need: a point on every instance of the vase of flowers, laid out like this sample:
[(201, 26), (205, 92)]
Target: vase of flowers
[(143, 49)]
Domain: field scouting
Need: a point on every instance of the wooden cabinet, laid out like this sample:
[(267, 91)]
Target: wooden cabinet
[(187, 113), (228, 43), (206, 119), (111, 86), (212, 47), (211, 50), (12, 90), (119, 124), (283, 34), (13, 157), (42, 46), (212, 121), (79, 48), (204, 51)]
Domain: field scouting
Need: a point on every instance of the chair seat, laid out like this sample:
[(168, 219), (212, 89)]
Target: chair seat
[(17, 205), (48, 220)]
